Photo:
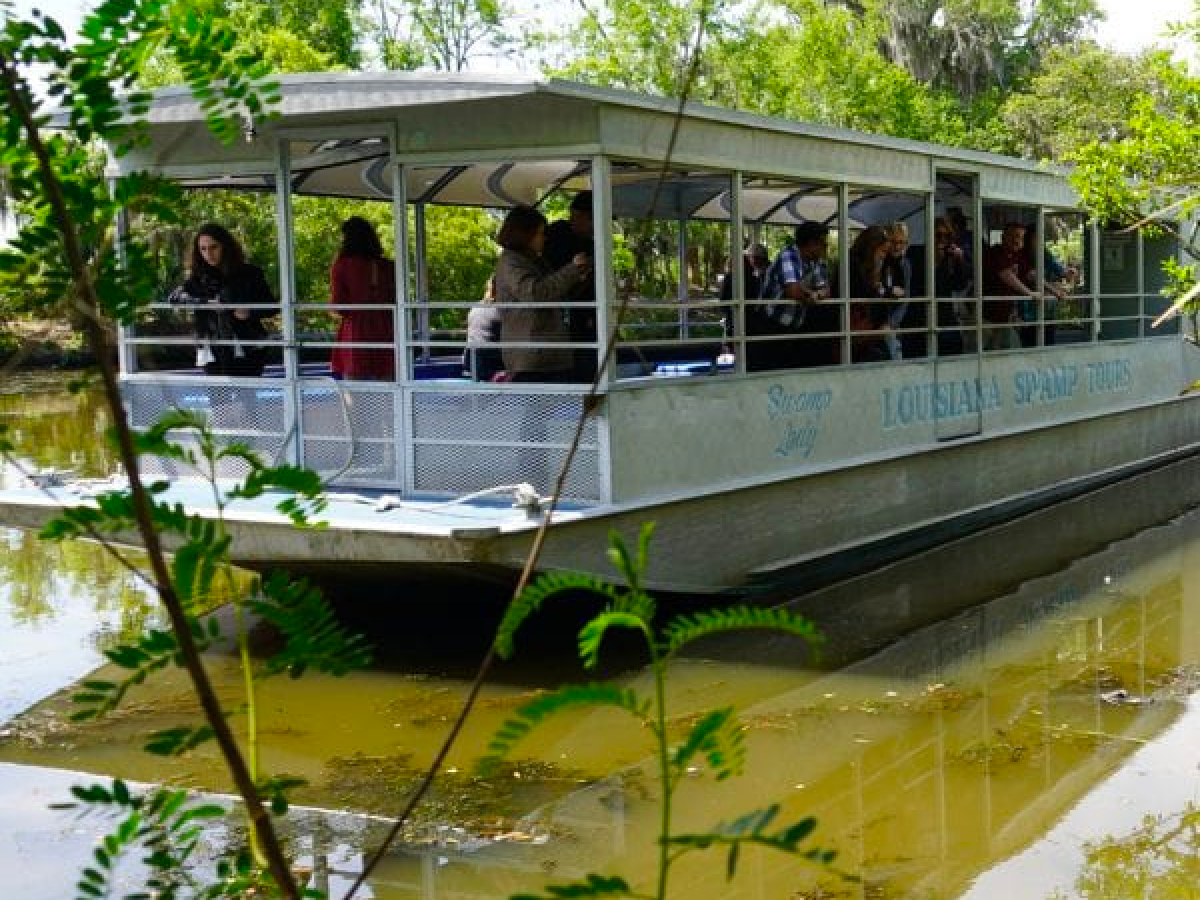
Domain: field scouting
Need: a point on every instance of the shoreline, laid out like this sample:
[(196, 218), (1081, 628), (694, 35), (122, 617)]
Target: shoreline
[(40, 345)]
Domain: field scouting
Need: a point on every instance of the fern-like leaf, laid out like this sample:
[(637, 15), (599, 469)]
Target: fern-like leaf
[(687, 628), (313, 637), (720, 739), (152, 651), (752, 829), (537, 592), (632, 568), (592, 634), (537, 710), (592, 886)]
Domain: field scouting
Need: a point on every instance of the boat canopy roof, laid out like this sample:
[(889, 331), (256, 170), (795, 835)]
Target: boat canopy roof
[(496, 142)]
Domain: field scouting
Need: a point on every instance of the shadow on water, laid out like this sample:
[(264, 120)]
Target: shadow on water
[(444, 626)]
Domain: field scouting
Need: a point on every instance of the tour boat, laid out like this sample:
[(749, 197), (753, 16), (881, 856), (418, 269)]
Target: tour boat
[(750, 475)]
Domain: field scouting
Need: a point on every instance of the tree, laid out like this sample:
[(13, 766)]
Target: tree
[(970, 47), (801, 60), (1083, 93), (446, 35)]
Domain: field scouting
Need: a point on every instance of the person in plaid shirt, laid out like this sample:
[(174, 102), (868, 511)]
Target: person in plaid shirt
[(794, 286)]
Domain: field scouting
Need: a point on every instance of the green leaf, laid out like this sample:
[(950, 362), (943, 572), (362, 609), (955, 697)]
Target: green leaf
[(531, 714), (687, 628), (537, 592), (592, 886), (592, 634), (720, 739)]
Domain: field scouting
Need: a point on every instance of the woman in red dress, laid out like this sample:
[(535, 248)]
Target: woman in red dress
[(362, 275)]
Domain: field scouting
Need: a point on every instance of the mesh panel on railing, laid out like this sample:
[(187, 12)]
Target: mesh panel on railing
[(349, 434), (473, 441), (248, 414)]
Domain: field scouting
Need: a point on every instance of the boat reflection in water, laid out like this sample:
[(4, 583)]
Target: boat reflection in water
[(936, 756)]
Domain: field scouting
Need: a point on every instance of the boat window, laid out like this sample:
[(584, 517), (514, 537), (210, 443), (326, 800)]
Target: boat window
[(1012, 311), (1069, 295), (779, 332), (1119, 302), (164, 336), (454, 214), (1158, 247), (885, 263), (672, 242)]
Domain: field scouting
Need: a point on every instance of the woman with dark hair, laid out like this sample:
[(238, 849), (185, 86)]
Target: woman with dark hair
[(362, 275), (224, 288), (525, 287), (869, 288)]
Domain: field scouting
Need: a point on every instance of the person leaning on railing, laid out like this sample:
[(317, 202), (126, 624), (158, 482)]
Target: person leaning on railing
[(526, 289)]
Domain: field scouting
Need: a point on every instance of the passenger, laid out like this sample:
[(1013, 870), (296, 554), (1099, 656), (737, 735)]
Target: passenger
[(755, 260), (871, 285), (523, 277), (793, 289), (362, 275), (1004, 281), (229, 334), (564, 239), (1058, 283), (951, 277), (483, 360), (898, 281)]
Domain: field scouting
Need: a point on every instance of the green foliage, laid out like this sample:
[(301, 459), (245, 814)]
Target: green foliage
[(1083, 93), (715, 739), (162, 827), (313, 638), (536, 711), (593, 886), (751, 829)]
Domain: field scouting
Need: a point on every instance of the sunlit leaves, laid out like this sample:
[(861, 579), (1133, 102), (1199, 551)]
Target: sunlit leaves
[(536, 711), (752, 829), (715, 740), (161, 826), (537, 592), (313, 637), (591, 635), (687, 628), (719, 739), (153, 651)]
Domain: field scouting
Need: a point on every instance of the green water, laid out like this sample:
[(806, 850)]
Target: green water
[(957, 738)]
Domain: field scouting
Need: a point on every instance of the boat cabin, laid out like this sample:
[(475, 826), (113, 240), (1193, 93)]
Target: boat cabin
[(938, 387)]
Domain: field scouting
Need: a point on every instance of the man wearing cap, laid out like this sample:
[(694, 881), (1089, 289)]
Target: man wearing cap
[(564, 239)]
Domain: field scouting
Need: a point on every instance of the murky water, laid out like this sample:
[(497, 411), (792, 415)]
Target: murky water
[(978, 715)]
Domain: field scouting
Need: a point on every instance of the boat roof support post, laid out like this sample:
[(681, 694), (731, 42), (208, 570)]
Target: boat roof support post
[(126, 358), (843, 286), (602, 272), (931, 297), (1093, 275), (1140, 246), (400, 330), (976, 297), (606, 293), (737, 246), (422, 285), (681, 288), (286, 248)]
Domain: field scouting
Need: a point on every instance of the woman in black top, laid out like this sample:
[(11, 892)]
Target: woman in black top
[(223, 285)]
